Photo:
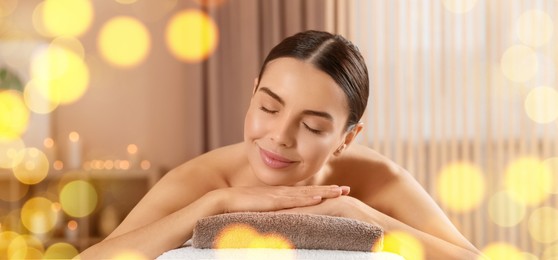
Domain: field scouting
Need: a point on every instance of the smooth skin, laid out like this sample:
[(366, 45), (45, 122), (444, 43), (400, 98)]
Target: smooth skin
[(297, 156)]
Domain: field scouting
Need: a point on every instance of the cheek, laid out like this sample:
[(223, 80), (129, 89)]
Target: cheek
[(254, 127), (315, 151)]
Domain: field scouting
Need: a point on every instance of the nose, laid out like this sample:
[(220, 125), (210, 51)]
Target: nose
[(283, 133)]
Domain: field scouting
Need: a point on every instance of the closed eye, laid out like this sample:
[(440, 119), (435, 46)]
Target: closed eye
[(314, 131), (262, 108)]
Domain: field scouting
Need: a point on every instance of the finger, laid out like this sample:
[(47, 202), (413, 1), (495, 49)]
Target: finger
[(331, 191), (345, 190), (298, 201)]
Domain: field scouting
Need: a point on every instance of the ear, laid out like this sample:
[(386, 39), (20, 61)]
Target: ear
[(256, 81), (349, 137)]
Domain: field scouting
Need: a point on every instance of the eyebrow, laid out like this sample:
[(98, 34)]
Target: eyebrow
[(306, 112)]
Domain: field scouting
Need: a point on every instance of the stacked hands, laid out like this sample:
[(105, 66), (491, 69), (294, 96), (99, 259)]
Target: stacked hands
[(330, 200)]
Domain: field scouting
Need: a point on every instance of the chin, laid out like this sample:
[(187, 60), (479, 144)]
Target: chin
[(271, 178)]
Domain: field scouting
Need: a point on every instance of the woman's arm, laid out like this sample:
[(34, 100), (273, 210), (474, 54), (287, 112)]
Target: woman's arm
[(165, 218), (158, 237)]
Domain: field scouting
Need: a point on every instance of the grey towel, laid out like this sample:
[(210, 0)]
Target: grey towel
[(274, 230)]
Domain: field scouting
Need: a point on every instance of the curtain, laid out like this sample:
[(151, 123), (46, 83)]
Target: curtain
[(250, 28), (464, 96)]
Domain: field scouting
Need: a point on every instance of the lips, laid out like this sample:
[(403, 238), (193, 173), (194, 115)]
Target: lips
[(275, 161)]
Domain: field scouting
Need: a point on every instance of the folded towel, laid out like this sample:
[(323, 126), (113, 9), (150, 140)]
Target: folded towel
[(287, 231)]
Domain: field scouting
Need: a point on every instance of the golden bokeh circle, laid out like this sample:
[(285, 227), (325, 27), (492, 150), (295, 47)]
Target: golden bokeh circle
[(37, 215), (519, 63), (535, 28), (501, 250), (36, 101), (528, 180), (67, 17), (403, 244), (14, 115), (78, 198), (6, 238), (124, 41), (129, 255), (59, 74), (543, 225), (541, 104), (61, 251), (504, 210), (9, 149), (191, 35), (31, 166), (461, 186), (25, 247)]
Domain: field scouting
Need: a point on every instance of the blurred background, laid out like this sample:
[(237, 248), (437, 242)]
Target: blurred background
[(99, 99)]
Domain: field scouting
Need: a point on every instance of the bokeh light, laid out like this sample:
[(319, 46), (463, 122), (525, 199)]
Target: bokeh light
[(38, 216), (460, 186), (541, 104), (36, 101), (9, 148), (504, 210), (59, 74), (528, 180), (124, 41), (459, 6), (37, 18), (543, 225), (519, 63), (25, 247), (191, 35), (129, 255), (60, 251), (245, 236), (67, 17), (78, 198), (552, 165), (535, 28), (402, 244), (14, 115), (6, 239), (31, 166), (502, 250), (132, 149)]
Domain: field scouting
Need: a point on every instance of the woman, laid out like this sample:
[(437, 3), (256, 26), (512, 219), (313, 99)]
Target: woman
[(297, 156)]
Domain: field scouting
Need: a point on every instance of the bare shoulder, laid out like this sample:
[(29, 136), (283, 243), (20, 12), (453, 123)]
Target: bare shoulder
[(180, 187), (371, 175)]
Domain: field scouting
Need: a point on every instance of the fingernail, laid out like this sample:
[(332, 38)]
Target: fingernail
[(317, 197), (345, 189)]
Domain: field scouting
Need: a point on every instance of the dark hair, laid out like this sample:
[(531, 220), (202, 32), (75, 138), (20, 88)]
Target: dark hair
[(334, 55)]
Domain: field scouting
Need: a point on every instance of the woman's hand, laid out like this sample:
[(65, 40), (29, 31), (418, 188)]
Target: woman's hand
[(272, 198), (342, 206)]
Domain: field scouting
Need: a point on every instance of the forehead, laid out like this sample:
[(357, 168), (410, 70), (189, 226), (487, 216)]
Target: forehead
[(301, 83)]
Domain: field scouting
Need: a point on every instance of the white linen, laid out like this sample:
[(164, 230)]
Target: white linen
[(188, 252)]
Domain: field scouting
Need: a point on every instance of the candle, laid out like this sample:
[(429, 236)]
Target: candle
[(71, 232), (74, 151), (133, 156)]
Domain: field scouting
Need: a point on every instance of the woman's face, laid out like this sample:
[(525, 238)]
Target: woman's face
[(295, 122)]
